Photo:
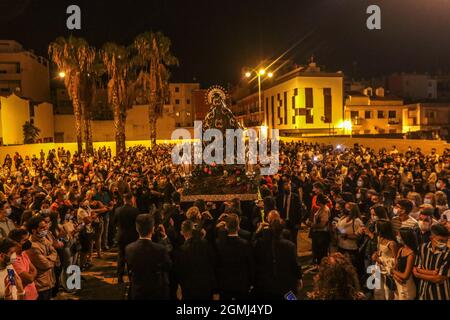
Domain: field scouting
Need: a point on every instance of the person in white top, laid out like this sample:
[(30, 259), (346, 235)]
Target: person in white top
[(385, 260), (348, 229)]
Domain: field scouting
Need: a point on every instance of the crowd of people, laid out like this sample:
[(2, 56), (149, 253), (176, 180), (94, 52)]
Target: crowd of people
[(385, 211)]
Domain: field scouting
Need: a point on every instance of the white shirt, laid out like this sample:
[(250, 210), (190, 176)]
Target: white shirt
[(348, 227)]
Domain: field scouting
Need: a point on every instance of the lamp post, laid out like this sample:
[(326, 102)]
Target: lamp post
[(259, 74)]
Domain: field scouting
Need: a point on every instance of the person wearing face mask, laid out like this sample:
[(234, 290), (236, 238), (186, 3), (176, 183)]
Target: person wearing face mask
[(43, 256), (425, 222), (404, 263), (22, 264), (6, 224), (432, 266), (401, 218), (443, 185), (7, 258), (369, 232)]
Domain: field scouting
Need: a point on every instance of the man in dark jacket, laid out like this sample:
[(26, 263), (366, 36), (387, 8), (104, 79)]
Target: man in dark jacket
[(290, 208), (277, 270), (235, 266), (148, 262), (125, 217), (194, 265)]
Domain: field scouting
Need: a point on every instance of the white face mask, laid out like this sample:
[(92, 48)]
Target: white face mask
[(8, 212), (427, 201), (438, 185), (400, 240), (360, 183), (395, 211), (13, 258)]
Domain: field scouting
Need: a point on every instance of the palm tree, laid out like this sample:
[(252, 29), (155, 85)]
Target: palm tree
[(154, 57), (75, 58), (91, 82), (122, 86), (30, 133)]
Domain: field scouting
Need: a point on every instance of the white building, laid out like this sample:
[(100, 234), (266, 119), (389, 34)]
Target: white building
[(23, 72)]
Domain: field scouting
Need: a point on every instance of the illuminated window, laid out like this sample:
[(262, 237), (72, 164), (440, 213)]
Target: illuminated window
[(354, 114)]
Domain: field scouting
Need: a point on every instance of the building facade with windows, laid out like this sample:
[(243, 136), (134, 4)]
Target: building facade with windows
[(413, 86), (427, 117), (305, 101), (374, 113), (181, 96), (23, 72)]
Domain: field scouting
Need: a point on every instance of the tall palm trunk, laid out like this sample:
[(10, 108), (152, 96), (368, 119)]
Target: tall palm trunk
[(78, 120), (119, 125), (87, 129), (152, 120), (122, 123)]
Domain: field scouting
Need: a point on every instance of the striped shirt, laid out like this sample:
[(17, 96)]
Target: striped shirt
[(437, 260), (397, 224)]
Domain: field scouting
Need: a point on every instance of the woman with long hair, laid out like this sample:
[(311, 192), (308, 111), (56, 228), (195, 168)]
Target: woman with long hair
[(385, 260), (337, 280), (320, 235), (404, 264), (348, 229)]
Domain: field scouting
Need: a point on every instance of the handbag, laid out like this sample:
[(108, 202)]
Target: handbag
[(390, 283)]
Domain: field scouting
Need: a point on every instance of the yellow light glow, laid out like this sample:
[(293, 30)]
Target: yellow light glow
[(262, 72), (264, 130), (248, 74), (270, 75), (62, 74), (347, 125)]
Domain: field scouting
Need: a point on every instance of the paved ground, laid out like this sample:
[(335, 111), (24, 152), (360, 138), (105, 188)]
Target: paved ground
[(100, 283)]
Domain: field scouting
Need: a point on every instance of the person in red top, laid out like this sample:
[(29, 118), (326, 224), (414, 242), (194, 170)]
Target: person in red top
[(22, 265), (318, 189)]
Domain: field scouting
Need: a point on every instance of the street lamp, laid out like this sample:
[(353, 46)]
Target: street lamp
[(348, 126), (260, 73), (62, 74)]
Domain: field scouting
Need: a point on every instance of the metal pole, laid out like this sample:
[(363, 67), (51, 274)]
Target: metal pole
[(259, 97)]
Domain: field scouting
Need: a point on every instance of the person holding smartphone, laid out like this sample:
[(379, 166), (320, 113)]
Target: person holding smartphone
[(11, 287)]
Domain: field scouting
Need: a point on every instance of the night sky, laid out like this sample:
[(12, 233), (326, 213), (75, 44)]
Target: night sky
[(214, 39)]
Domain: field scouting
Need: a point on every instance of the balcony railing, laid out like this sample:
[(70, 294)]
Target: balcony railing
[(393, 121)]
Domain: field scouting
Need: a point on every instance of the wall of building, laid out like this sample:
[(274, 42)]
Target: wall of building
[(14, 113), (317, 83), (33, 77), (137, 127), (181, 98), (376, 144), (43, 115), (413, 86), (199, 105), (363, 112)]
